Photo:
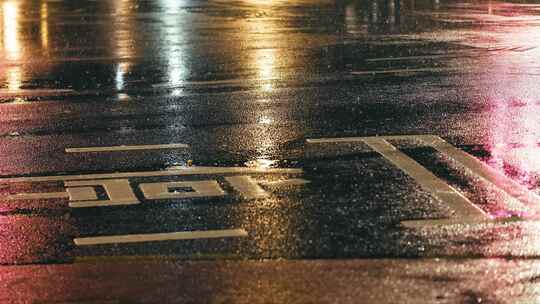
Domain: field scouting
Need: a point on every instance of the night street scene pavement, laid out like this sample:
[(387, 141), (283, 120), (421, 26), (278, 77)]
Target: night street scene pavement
[(269, 151)]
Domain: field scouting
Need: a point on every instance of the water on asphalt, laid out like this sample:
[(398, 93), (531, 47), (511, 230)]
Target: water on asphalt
[(246, 85)]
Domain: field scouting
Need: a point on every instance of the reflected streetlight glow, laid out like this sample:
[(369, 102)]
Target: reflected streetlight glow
[(44, 25), (515, 129), (12, 47), (11, 30), (123, 37), (266, 120), (264, 59), (173, 34)]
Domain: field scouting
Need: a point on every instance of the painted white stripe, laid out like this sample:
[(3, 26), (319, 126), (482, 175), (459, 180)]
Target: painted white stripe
[(285, 183), (334, 140), (36, 196), (458, 222), (119, 192), (486, 173), (463, 209), (467, 53), (216, 83), (82, 194), (126, 148), (416, 57), (157, 237), (41, 92), (247, 187), (520, 199), (436, 70), (186, 171), (361, 139)]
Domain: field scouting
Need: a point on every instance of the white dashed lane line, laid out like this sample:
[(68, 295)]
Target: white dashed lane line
[(156, 237), (126, 148)]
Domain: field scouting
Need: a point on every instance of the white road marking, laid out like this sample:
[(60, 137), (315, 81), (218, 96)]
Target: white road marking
[(126, 148), (34, 92), (36, 196), (486, 173), (285, 183), (466, 53), (187, 171), (415, 57), (119, 192), (247, 187), (217, 83), (156, 237), (463, 209), (419, 70), (208, 188), (521, 199), (360, 139), (82, 194)]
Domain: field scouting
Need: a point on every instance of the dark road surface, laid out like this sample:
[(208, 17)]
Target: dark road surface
[(250, 151)]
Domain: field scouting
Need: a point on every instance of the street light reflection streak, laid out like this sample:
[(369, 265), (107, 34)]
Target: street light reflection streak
[(44, 26), (123, 36), (11, 44), (11, 30), (173, 34)]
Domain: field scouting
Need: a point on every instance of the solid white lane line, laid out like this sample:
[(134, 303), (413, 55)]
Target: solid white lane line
[(362, 138), (434, 56), (398, 71), (33, 92), (463, 209), (156, 237), (226, 82), (126, 148), (337, 140), (176, 172), (413, 57), (334, 140), (36, 196)]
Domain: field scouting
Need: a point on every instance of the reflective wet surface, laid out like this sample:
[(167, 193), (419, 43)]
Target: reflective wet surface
[(245, 84)]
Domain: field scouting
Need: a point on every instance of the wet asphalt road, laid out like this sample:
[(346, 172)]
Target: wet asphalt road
[(245, 84)]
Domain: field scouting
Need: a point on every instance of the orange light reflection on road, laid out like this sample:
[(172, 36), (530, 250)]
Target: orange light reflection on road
[(11, 30), (44, 25), (265, 54), (11, 43)]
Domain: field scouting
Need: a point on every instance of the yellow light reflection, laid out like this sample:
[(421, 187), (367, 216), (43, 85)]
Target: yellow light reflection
[(14, 78), (264, 59), (44, 25), (11, 30), (261, 163), (11, 44)]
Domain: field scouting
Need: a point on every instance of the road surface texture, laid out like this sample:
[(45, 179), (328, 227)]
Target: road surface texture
[(269, 151)]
